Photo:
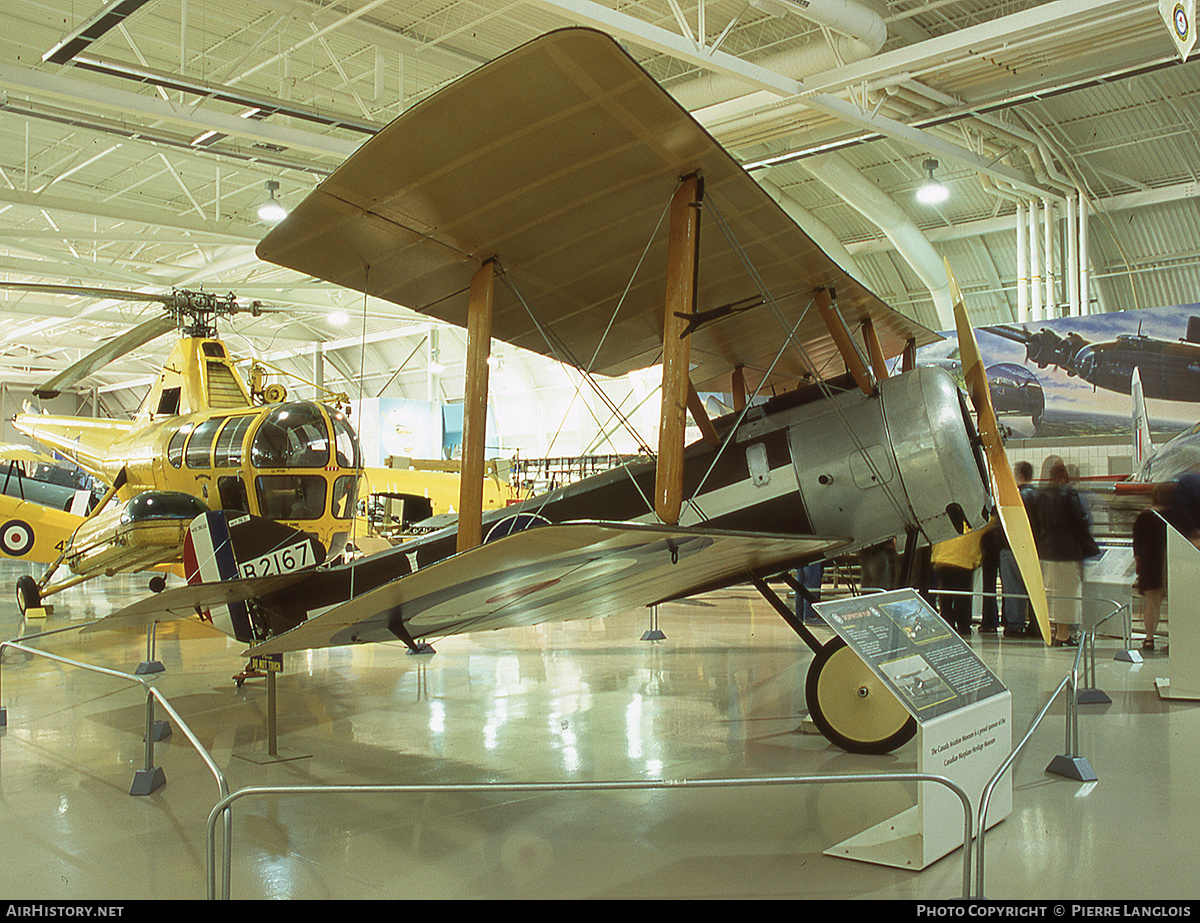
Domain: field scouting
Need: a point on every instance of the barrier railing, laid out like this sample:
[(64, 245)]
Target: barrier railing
[(223, 810), (225, 806), (149, 777)]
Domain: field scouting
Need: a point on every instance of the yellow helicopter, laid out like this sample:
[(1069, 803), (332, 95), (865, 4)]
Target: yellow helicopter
[(200, 440)]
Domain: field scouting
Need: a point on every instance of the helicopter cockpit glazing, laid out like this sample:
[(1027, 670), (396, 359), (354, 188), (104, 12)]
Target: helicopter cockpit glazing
[(301, 436), (287, 455)]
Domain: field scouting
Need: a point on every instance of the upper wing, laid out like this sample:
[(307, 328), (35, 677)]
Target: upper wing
[(566, 571), (559, 159)]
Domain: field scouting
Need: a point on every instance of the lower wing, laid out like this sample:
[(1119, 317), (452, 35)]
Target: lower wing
[(553, 572)]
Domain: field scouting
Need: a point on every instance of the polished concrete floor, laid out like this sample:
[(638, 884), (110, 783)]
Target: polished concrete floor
[(583, 701)]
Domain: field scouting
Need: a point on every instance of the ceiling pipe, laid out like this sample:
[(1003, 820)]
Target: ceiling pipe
[(859, 32), (870, 201)]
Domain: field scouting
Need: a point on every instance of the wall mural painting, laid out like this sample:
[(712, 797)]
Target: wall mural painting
[(1071, 376)]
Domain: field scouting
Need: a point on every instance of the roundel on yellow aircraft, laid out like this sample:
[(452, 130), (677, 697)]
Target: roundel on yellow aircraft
[(274, 394)]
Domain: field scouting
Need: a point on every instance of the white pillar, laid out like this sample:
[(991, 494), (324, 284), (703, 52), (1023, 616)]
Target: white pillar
[(1022, 263), (1051, 300), (1085, 301), (1035, 264), (1071, 208)]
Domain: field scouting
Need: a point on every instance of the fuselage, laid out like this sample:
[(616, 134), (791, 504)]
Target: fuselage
[(863, 469)]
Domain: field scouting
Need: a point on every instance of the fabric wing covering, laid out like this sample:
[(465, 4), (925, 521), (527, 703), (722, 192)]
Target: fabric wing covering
[(558, 159)]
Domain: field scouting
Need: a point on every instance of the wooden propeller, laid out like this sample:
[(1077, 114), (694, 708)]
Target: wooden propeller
[(1004, 486)]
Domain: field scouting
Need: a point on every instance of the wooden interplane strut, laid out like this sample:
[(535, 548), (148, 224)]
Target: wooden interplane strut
[(479, 346), (683, 252), (842, 340)]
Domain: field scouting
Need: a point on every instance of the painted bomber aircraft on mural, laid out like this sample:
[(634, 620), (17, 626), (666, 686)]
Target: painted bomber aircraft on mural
[(571, 227)]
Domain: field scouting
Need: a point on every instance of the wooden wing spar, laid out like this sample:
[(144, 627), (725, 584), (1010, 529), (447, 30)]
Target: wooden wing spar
[(558, 160)]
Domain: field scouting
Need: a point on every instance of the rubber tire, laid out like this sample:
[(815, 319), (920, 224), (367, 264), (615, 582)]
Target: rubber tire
[(158, 583), (873, 723), (29, 596)]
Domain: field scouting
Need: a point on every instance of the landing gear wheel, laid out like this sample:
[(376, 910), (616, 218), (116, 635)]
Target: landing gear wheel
[(158, 583), (851, 706), (29, 596)]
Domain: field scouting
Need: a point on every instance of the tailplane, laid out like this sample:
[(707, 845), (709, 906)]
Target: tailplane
[(223, 545), (1143, 448)]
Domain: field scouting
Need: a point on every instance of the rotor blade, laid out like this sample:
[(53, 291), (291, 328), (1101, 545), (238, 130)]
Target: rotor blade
[(114, 349), (86, 291), (1008, 497)]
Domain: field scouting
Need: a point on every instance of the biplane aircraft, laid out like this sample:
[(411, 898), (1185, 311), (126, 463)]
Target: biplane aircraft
[(550, 199)]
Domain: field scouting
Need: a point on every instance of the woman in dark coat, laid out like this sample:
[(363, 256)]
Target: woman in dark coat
[(1150, 557), (1064, 540)]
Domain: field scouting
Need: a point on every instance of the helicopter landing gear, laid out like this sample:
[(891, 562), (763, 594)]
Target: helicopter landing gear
[(851, 706)]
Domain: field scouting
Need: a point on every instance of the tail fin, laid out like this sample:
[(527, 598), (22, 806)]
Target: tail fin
[(224, 545), (1142, 446)]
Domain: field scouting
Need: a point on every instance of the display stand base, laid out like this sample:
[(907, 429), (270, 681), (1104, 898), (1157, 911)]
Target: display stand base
[(1165, 691), (896, 842), (654, 634), (149, 666), (1093, 697), (1073, 767), (146, 781), (159, 730)]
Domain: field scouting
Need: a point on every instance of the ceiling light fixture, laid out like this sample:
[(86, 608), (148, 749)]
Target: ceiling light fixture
[(272, 211), (931, 192)]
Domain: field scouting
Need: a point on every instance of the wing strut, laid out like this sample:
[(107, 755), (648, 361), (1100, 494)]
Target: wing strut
[(683, 251), (700, 416), (479, 345), (739, 388), (844, 342), (874, 350)]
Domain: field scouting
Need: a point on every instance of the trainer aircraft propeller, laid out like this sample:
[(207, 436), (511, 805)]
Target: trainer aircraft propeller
[(537, 221)]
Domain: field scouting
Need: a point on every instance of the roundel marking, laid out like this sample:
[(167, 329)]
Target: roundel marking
[(16, 538), (1181, 22)]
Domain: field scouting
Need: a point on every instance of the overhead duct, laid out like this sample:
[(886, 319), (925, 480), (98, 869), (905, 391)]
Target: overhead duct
[(873, 204), (814, 227), (858, 32)]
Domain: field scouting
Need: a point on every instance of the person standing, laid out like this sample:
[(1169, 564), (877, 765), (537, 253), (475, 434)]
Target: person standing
[(991, 542), (1150, 557), (954, 564), (1064, 539)]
